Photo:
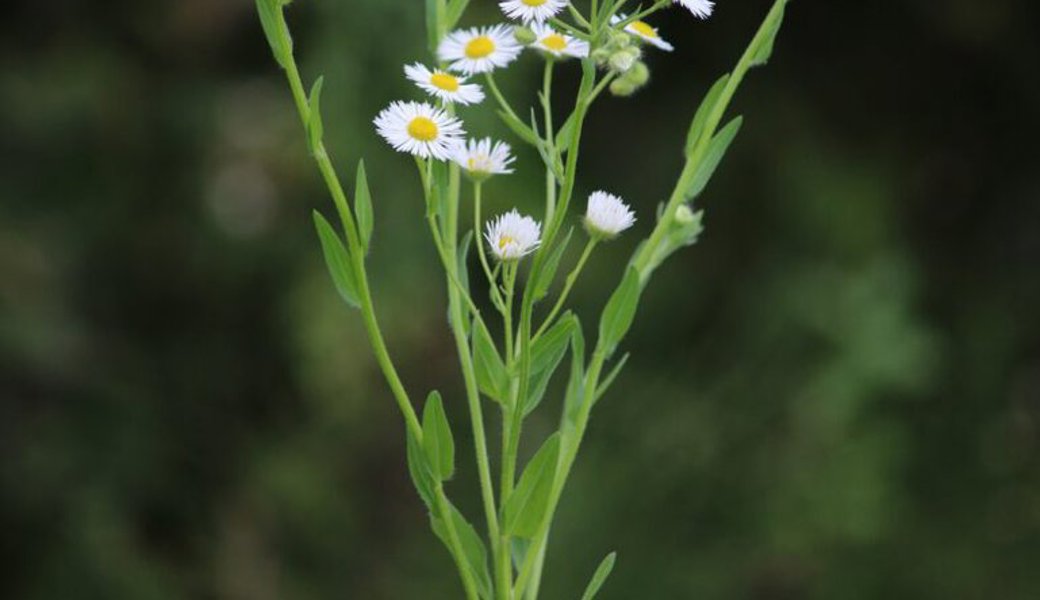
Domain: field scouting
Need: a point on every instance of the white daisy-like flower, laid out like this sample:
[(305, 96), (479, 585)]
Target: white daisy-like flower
[(480, 49), (481, 159), (513, 236), (443, 85), (420, 129), (537, 11), (643, 31), (559, 45), (701, 9), (607, 215)]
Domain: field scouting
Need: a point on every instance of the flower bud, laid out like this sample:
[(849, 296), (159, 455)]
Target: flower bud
[(684, 215), (622, 88), (638, 75), (623, 60), (525, 35)]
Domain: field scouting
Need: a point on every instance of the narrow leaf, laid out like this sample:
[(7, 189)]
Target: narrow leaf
[(492, 377), (473, 550), (609, 379), (699, 119), (528, 503), (716, 151), (315, 127), (544, 279), (619, 312), (419, 469), (273, 22), (600, 576), (764, 42), (519, 128), (437, 439), (363, 206), (337, 261), (546, 355), (576, 384)]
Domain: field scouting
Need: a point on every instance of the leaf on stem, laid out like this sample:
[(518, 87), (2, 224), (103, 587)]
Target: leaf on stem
[(609, 379), (619, 312), (438, 442), (716, 151), (492, 376), (576, 384), (763, 50), (272, 20), (519, 128), (474, 552), (363, 207), (315, 127), (527, 505), (419, 469), (544, 278), (337, 260), (701, 118), (600, 576), (546, 354)]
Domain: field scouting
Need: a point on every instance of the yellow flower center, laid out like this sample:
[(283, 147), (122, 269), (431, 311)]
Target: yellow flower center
[(504, 241), (555, 42), (644, 29), (480, 47), (533, 2), (446, 82), (423, 129)]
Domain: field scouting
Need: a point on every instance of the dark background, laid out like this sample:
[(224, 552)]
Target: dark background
[(835, 395)]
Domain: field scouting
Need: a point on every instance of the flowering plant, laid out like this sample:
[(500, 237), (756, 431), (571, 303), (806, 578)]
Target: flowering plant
[(519, 257)]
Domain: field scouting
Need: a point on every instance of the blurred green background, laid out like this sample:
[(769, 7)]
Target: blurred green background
[(835, 395)]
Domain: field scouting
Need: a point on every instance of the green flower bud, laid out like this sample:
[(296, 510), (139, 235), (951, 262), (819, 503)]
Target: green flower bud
[(638, 75), (684, 215), (623, 60), (622, 88), (525, 35)]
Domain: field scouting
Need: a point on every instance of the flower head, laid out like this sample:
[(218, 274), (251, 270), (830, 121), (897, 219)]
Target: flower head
[(701, 9), (559, 45), (532, 10), (644, 31), (607, 215), (444, 86), (512, 236), (481, 159), (419, 129), (480, 49)]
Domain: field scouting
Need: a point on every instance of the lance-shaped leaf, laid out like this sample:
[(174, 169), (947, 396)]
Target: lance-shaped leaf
[(438, 442), (546, 354), (576, 383), (529, 502), (619, 313), (600, 576), (716, 151), (492, 376), (419, 469), (762, 49), (518, 127), (701, 118), (473, 550), (315, 126), (273, 21), (337, 261), (363, 206), (544, 277)]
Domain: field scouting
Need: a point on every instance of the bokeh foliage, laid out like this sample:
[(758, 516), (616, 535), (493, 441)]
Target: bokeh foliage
[(835, 394)]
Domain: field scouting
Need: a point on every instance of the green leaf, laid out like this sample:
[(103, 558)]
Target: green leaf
[(492, 376), (619, 312), (544, 279), (463, 258), (437, 439), (762, 49), (609, 380), (519, 128), (363, 206), (419, 469), (546, 354), (576, 384), (600, 576), (564, 135), (529, 502), (272, 20), (337, 261), (699, 119), (315, 127), (473, 550), (716, 151)]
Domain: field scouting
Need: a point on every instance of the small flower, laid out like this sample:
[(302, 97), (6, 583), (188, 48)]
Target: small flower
[(532, 10), (479, 50), (701, 9), (481, 159), (444, 86), (512, 236), (643, 31), (419, 129), (607, 215), (559, 45)]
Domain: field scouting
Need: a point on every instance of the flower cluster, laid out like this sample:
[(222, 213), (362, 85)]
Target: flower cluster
[(435, 133)]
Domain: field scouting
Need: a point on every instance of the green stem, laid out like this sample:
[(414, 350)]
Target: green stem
[(501, 99), (496, 296), (568, 285), (357, 258)]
